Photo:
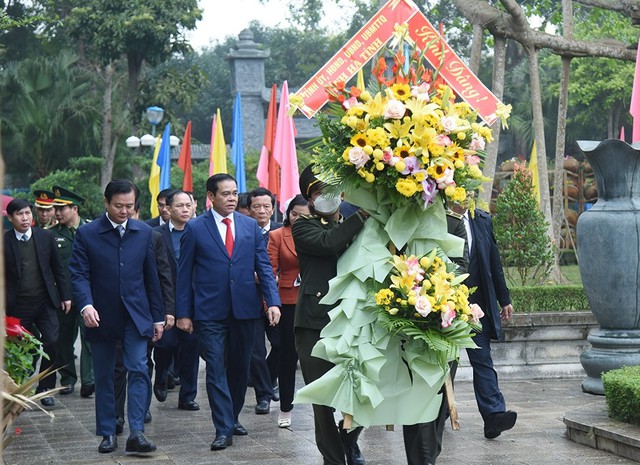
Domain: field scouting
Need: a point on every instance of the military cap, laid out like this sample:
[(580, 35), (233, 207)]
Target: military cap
[(64, 196), (308, 182), (44, 199)]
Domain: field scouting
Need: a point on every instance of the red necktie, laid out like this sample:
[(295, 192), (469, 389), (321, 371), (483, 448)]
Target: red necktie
[(228, 240)]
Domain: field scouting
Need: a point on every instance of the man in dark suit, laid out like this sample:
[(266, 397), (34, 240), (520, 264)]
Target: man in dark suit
[(264, 370), (220, 254), (163, 217), (36, 284), (175, 344), (486, 273), (115, 284)]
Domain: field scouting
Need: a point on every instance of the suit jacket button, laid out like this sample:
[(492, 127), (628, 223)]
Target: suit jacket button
[(318, 294)]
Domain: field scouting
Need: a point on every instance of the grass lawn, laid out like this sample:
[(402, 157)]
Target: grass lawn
[(570, 272)]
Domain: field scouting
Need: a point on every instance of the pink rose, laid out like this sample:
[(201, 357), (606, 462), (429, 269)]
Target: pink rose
[(477, 142), (352, 102), (421, 92), (447, 316), (443, 139), (395, 109), (358, 157), (423, 305)]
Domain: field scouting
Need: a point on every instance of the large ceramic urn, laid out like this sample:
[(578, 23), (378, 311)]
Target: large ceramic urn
[(608, 237)]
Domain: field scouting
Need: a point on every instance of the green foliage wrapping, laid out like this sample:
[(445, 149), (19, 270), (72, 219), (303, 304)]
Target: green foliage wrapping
[(548, 298), (622, 392), (521, 230), (19, 355)]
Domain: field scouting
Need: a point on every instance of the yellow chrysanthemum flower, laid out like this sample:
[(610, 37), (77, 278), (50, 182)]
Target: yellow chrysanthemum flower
[(406, 187), (377, 137)]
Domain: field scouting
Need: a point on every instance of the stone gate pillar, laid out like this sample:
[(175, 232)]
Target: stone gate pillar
[(246, 61)]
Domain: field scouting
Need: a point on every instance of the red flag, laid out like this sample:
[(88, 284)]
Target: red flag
[(268, 171), (184, 159), (635, 100), (284, 150)]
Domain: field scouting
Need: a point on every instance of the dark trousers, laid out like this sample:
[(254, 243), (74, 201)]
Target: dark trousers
[(70, 325), (184, 348), (259, 370), (43, 316), (273, 359), (288, 358), (423, 441), (134, 356), (226, 348), (485, 379), (327, 434)]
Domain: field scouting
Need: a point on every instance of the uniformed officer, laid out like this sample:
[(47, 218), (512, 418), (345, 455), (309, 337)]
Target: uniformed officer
[(66, 205), (45, 214), (320, 239)]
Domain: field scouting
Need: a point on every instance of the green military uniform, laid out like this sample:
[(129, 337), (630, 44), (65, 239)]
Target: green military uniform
[(319, 244), (70, 322)]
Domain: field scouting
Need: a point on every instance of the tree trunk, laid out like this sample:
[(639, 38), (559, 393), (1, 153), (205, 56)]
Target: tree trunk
[(491, 159), (476, 48), (543, 172), (108, 154)]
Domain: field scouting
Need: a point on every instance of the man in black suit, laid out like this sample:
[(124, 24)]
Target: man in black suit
[(264, 369), (161, 199), (486, 274), (175, 344), (36, 284)]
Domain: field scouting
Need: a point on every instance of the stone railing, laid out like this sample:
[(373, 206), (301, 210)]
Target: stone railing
[(539, 345)]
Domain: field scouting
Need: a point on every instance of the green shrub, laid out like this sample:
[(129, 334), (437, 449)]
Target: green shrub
[(548, 298), (622, 391)]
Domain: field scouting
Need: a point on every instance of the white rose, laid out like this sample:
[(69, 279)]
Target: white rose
[(395, 109), (358, 157), (448, 123), (423, 305)]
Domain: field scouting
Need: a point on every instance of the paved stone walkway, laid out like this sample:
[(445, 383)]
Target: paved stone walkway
[(184, 437)]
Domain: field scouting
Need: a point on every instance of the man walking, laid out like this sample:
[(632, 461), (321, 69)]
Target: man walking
[(115, 284), (220, 254), (66, 205), (36, 284)]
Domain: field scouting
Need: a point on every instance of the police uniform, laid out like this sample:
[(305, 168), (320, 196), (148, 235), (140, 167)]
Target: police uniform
[(44, 199), (319, 243), (70, 322)]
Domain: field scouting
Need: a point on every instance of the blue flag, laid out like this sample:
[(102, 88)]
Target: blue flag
[(164, 159), (237, 145)]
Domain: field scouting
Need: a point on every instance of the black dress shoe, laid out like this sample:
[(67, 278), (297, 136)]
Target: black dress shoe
[(221, 442), (496, 423), (189, 405), (48, 401), (276, 393), (171, 382), (160, 393), (147, 417), (67, 389), (109, 444), (239, 430), (263, 407), (138, 444), (87, 389), (119, 425), (176, 381)]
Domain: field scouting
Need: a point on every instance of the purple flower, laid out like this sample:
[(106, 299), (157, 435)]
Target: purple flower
[(411, 165), (429, 191)]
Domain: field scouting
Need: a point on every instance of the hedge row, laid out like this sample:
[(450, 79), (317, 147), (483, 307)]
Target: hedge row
[(622, 391), (548, 299)]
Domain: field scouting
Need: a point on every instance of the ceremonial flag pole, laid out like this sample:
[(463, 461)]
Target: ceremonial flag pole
[(268, 171), (237, 145), (184, 160), (154, 180), (284, 150)]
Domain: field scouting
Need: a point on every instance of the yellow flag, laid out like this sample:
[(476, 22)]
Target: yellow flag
[(154, 180), (360, 81), (219, 150), (533, 167)]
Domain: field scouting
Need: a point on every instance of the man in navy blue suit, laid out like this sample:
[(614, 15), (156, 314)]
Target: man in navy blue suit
[(116, 287), (486, 274), (220, 254), (176, 344)]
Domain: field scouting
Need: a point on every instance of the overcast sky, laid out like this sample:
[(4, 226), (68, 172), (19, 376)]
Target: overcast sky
[(218, 23)]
